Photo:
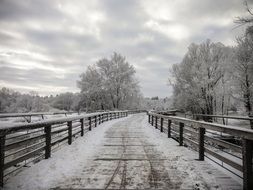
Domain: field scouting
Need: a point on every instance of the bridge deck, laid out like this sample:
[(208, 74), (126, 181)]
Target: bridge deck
[(123, 154)]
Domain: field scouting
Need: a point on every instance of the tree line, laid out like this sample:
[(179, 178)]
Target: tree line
[(12, 101), (109, 84), (213, 78)]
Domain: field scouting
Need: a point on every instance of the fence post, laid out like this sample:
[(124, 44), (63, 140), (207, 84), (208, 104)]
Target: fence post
[(201, 143), (69, 132), (251, 121), (95, 121), (181, 128), (156, 122), (169, 128), (247, 164), (82, 132), (2, 155), (152, 120), (47, 130), (89, 123), (161, 124), (107, 116), (148, 118)]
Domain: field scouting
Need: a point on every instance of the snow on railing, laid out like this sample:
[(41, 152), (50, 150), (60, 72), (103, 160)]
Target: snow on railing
[(24, 143), (224, 118), (229, 146), (28, 116)]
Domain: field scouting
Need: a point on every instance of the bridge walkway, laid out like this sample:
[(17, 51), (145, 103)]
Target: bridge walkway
[(126, 153)]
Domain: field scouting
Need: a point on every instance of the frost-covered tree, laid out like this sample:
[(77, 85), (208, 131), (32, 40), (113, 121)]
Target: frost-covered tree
[(109, 84), (197, 79), (63, 101), (243, 71)]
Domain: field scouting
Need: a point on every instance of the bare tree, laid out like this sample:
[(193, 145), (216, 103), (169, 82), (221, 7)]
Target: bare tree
[(246, 20), (110, 84)]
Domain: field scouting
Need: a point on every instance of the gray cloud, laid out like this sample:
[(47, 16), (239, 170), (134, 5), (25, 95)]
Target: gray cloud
[(45, 45)]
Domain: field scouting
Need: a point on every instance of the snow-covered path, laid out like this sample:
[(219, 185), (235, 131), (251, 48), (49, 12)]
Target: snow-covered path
[(126, 153)]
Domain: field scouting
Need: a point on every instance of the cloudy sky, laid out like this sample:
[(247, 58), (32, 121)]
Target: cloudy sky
[(46, 44)]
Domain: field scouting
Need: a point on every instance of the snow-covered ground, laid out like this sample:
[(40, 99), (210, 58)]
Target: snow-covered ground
[(126, 153)]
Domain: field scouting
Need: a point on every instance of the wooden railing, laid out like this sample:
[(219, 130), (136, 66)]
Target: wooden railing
[(21, 144), (207, 117), (207, 139), (28, 116)]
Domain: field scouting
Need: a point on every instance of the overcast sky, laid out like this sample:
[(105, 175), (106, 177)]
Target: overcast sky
[(45, 45)]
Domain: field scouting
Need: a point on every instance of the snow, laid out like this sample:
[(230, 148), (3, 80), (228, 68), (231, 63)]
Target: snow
[(123, 153), (63, 163)]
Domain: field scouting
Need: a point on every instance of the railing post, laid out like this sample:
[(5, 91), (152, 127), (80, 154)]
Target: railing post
[(148, 118), (247, 149), (169, 128), (161, 124), (47, 130), (2, 155), (69, 132), (82, 132), (95, 121), (201, 143), (152, 120), (102, 120), (181, 131), (89, 123), (99, 119), (156, 122)]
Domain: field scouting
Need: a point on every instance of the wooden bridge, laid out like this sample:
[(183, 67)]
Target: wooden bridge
[(130, 153)]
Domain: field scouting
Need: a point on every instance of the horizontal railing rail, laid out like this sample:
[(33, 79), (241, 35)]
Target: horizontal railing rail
[(28, 116), (6, 115), (224, 116), (21, 144), (210, 140)]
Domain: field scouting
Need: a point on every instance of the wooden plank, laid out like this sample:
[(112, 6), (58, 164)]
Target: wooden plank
[(181, 128), (59, 140), (247, 164), (82, 126), (156, 122), (169, 128), (24, 157), (25, 141), (2, 155), (201, 143), (48, 141), (224, 144), (70, 132), (224, 159), (161, 126)]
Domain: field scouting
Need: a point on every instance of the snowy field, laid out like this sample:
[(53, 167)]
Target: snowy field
[(126, 153)]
